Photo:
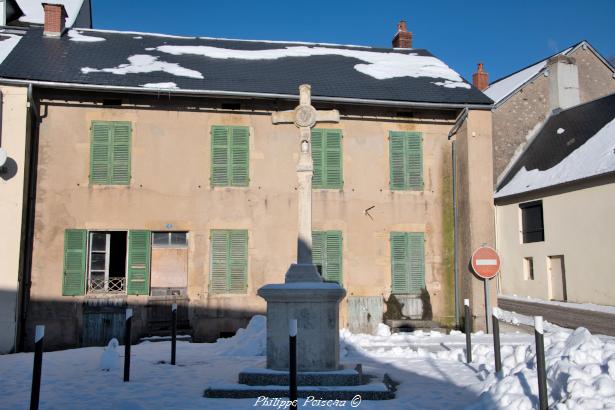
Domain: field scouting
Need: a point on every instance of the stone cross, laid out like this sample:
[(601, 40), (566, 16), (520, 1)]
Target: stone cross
[(304, 117)]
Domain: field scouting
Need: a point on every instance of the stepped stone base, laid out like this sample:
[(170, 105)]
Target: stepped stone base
[(375, 391), (267, 377)]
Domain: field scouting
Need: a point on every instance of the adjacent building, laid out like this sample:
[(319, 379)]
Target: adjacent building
[(554, 223), (160, 178)]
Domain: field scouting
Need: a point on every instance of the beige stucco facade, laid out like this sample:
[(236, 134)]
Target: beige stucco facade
[(515, 119), (170, 187), (579, 226), (13, 140)]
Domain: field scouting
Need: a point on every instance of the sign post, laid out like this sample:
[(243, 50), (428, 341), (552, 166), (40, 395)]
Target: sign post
[(486, 264)]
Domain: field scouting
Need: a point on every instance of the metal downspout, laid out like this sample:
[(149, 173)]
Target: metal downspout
[(455, 244)]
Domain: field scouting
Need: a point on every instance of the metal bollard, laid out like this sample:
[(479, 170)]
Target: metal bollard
[(39, 338), (468, 323), (173, 332), (127, 345), (540, 363), (496, 341), (292, 364)]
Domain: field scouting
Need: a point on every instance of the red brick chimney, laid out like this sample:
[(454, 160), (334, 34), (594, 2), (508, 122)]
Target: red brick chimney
[(480, 78), (55, 19), (403, 37)]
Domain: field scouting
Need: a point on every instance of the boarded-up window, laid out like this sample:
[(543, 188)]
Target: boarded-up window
[(230, 156), (229, 261), (327, 254), (327, 157), (406, 160), (169, 263), (110, 152), (407, 262)]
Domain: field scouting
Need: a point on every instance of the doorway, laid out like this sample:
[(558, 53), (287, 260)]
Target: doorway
[(557, 278)]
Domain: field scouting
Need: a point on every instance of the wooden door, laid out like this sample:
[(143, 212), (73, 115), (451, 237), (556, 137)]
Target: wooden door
[(557, 278)]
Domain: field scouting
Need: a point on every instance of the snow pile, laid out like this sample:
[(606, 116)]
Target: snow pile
[(78, 36), (251, 341), (580, 373), (383, 330), (378, 65), (596, 156), (7, 44), (33, 10), (160, 85), (143, 63), (110, 358)]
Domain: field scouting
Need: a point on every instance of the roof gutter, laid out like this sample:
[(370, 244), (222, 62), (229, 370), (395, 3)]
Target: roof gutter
[(239, 94)]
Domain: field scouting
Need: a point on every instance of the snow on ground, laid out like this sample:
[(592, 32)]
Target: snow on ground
[(143, 63), (596, 156), (429, 365), (582, 306), (378, 65)]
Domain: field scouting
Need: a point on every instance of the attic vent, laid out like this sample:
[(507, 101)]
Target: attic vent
[(231, 106), (112, 102)]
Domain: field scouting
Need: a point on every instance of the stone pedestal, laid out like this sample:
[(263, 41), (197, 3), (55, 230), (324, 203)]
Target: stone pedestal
[(315, 305)]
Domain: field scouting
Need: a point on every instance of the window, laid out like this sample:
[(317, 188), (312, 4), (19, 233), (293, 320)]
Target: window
[(169, 273), (532, 222), (327, 254), (228, 261), (229, 156), (406, 161), (407, 262), (108, 262), (327, 157), (110, 152), (528, 268), (169, 239)]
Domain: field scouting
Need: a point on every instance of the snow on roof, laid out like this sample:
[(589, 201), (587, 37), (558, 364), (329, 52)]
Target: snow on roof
[(33, 10), (595, 157), (76, 35), (144, 63), (502, 88), (378, 65), (7, 43)]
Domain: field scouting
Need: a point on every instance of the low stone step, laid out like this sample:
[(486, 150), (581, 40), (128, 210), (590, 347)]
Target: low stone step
[(268, 377), (372, 391)]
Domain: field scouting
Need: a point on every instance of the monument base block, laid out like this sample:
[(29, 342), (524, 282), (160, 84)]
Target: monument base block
[(315, 305)]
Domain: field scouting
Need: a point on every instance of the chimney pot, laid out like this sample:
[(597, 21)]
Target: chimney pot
[(55, 19), (403, 37), (480, 79)]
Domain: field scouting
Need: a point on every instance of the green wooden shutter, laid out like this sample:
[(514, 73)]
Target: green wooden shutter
[(75, 249), (240, 156), (399, 263), (334, 256), (120, 153), (218, 261), (414, 161), (406, 160), (139, 244), (317, 142), (318, 251), (220, 141), (100, 152), (238, 261), (396, 161), (416, 259), (333, 159)]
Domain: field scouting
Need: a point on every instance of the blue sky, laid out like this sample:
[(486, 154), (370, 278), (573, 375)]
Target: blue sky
[(506, 35)]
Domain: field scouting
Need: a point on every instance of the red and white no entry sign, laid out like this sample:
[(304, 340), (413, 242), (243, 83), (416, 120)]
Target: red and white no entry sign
[(486, 262)]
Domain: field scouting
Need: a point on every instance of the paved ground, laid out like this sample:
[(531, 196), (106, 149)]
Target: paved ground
[(595, 322)]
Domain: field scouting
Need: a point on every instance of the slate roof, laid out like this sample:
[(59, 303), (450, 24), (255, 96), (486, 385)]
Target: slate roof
[(573, 144), (331, 75), (502, 88), (27, 12)]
